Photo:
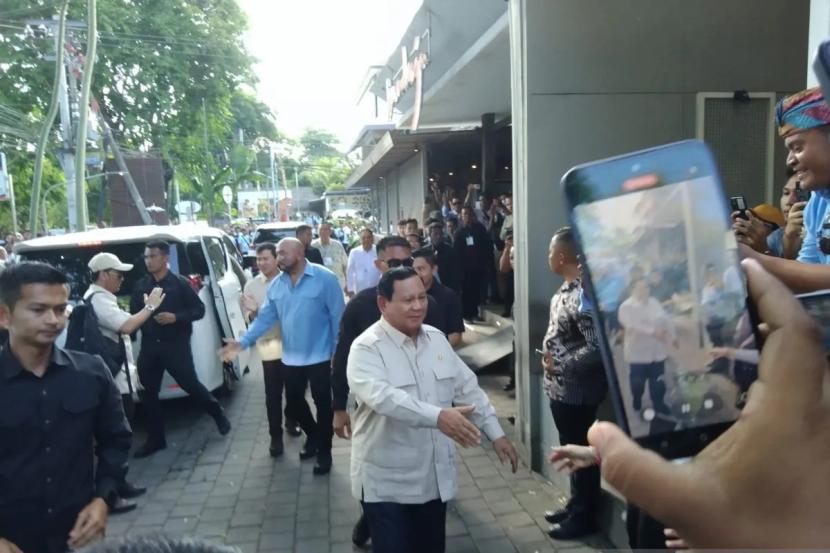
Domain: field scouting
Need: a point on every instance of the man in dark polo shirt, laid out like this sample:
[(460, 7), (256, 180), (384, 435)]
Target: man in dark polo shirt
[(361, 312), (449, 270), (305, 236), (450, 302), (165, 345), (60, 412)]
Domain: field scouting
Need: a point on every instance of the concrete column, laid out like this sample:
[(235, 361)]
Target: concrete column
[(488, 151)]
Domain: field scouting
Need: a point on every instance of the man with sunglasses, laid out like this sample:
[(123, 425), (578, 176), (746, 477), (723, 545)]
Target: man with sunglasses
[(108, 276), (361, 312)]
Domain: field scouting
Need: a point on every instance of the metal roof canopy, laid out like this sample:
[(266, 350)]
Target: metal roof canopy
[(395, 148)]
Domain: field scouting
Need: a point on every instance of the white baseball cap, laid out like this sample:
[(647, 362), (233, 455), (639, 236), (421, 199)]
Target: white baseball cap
[(108, 262)]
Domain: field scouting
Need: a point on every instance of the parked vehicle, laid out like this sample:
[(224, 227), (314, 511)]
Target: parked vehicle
[(203, 255), (269, 232)]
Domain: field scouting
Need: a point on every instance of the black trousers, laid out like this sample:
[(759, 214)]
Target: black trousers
[(318, 377), (644, 532), (573, 422), (273, 373), (399, 528), (640, 373), (471, 291), (177, 359)]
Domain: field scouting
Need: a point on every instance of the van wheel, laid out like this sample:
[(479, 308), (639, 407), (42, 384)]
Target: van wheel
[(228, 380)]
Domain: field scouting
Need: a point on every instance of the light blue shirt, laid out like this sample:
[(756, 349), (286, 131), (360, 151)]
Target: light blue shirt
[(814, 215), (308, 312)]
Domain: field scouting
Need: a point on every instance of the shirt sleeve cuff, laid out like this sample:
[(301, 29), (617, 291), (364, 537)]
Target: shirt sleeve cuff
[(245, 342), (492, 429), (431, 413), (107, 489)]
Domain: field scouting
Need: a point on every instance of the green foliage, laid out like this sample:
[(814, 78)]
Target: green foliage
[(173, 79)]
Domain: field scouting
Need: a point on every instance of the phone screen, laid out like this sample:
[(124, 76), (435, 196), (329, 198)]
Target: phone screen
[(664, 273), (817, 304)]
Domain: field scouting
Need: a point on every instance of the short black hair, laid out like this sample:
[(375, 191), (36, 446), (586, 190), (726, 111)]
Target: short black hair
[(391, 241), (386, 286), (412, 220), (159, 245), (267, 246), (427, 254), (17, 275), (402, 222), (159, 543), (565, 237), (367, 229), (301, 229)]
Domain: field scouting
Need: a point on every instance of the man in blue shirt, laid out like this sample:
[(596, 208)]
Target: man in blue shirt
[(804, 124), (307, 301)]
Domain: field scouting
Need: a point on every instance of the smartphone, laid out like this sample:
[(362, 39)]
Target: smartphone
[(817, 304), (801, 195), (661, 270), (738, 203)]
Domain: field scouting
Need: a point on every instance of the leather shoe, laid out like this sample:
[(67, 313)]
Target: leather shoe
[(571, 529), (309, 450), (121, 506), (128, 490), (556, 516), (360, 533), (276, 448), (223, 425), (292, 428), (148, 449), (322, 468)]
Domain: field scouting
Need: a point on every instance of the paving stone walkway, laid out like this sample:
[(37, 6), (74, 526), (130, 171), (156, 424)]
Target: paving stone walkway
[(229, 490)]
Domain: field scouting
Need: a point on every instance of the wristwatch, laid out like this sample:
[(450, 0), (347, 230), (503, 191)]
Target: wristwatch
[(150, 308)]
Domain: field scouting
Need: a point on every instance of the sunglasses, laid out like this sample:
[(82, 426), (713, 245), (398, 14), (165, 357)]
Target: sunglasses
[(395, 263)]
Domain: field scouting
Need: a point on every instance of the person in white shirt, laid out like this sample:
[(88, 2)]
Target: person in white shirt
[(648, 334), (269, 347), (414, 397), (334, 255), (362, 271), (116, 325)]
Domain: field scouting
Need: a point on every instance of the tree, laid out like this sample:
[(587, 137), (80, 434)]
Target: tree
[(318, 144)]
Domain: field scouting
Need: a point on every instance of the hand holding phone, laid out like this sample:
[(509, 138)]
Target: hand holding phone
[(738, 204), (801, 195), (651, 226)]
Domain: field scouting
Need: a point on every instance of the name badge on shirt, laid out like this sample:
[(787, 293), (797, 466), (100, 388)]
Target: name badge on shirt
[(328, 261), (470, 241)]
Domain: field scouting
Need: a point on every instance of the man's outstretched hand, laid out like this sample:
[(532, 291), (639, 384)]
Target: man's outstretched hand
[(764, 482), (230, 350)]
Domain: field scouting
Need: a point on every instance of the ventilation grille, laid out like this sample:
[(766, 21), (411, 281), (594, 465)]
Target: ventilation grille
[(739, 134)]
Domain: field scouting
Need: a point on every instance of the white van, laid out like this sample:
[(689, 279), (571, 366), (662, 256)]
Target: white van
[(203, 255)]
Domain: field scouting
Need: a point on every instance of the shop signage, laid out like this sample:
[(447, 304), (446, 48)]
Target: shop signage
[(410, 74)]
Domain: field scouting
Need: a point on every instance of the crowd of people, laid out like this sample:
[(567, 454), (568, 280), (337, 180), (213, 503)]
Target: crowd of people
[(371, 334)]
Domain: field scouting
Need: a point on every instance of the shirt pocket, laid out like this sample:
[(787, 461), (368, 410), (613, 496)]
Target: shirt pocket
[(444, 382), (78, 409)]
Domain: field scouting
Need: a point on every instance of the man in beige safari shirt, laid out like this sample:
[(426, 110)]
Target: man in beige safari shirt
[(414, 398)]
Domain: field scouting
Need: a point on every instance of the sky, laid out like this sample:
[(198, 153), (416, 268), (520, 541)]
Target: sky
[(314, 54)]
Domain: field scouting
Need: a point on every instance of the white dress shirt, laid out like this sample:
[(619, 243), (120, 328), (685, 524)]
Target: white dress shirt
[(641, 321), (334, 258), (400, 387), (361, 272)]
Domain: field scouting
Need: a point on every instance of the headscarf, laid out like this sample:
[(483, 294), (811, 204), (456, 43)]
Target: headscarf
[(802, 111)]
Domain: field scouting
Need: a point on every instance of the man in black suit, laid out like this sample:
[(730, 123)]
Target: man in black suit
[(311, 253)]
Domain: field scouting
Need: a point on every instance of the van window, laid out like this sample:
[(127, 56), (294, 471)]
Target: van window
[(72, 261), (216, 255)]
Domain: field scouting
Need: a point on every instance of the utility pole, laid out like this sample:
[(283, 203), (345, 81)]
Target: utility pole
[(11, 201), (66, 154), (297, 188)]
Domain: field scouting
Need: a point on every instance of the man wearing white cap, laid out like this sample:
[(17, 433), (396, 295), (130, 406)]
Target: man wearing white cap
[(107, 276)]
